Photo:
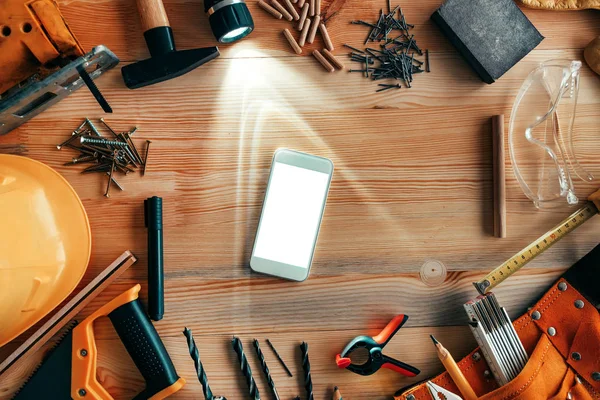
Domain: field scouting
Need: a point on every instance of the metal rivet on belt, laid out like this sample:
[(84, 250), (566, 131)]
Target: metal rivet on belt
[(596, 376), (476, 356), (410, 397), (562, 286), (576, 356), (551, 331), (536, 315), (579, 303)]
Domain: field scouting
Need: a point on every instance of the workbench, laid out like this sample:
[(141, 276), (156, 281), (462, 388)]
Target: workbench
[(412, 182)]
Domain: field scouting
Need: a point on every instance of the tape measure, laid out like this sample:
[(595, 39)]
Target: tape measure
[(530, 252)]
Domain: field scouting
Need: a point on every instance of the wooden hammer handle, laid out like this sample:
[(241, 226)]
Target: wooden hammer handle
[(152, 14)]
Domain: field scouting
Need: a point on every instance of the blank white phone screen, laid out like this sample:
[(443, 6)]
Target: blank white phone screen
[(291, 215)]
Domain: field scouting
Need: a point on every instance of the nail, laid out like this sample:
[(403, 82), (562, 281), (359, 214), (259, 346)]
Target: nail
[(109, 128), (146, 157)]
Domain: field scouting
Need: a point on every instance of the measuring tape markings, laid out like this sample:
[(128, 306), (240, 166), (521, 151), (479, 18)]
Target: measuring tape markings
[(530, 252)]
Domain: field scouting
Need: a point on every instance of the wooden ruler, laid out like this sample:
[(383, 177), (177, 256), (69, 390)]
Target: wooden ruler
[(536, 248)]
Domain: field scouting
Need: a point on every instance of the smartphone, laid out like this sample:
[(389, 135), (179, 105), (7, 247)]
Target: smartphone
[(291, 215)]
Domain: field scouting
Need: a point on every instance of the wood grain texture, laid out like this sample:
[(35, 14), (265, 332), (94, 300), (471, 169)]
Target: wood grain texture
[(413, 181)]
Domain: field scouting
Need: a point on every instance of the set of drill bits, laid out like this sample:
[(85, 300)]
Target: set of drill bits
[(107, 155), (253, 391), (395, 57)]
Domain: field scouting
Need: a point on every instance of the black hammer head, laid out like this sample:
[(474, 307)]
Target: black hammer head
[(167, 66)]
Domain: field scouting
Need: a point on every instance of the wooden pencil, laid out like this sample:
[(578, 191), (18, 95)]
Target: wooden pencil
[(455, 373)]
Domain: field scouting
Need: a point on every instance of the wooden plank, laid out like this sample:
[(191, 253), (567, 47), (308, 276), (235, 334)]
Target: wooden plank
[(119, 376), (117, 25)]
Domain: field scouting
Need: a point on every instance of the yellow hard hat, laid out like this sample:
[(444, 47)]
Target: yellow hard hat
[(45, 242)]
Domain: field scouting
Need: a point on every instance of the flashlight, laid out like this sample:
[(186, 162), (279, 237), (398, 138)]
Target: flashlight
[(230, 20)]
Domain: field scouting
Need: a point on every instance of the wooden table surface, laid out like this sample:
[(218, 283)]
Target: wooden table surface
[(412, 182)]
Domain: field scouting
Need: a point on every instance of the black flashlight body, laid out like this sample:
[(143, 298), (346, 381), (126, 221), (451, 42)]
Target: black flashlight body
[(230, 20), (156, 286)]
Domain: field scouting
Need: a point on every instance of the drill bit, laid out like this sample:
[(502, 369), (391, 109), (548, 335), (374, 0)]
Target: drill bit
[(193, 349), (245, 367), (265, 369), (306, 368), (279, 358)]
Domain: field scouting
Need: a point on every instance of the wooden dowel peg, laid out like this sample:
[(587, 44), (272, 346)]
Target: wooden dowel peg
[(313, 29), (270, 9), (326, 38), (323, 61), (312, 7), (303, 15), (292, 9), (282, 10), (292, 41), (499, 172), (318, 7), (333, 59), (304, 33), (301, 3)]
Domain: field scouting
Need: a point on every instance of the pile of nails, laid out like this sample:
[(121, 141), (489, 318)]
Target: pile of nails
[(396, 55), (117, 153)]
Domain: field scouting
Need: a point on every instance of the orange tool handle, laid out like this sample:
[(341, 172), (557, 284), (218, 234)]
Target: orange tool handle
[(141, 342), (390, 330)]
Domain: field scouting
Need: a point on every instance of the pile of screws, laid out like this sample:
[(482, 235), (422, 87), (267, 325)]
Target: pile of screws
[(396, 56), (119, 154)]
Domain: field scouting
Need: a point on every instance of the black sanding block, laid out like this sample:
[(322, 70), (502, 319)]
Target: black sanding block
[(493, 35)]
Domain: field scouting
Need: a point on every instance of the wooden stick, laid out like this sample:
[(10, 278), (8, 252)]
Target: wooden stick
[(292, 41), (303, 16), (282, 10), (499, 172), (326, 38), (312, 8), (323, 61), (301, 3), (69, 310), (304, 33), (333, 59), (318, 7), (292, 9), (270, 9), (313, 29)]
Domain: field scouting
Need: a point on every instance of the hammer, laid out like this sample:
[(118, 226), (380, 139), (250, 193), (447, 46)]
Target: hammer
[(165, 61)]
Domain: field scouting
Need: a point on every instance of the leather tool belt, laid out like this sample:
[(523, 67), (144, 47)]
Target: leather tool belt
[(561, 334)]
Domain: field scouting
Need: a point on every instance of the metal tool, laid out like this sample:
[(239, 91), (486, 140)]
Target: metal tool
[(165, 61), (306, 369), (265, 369), (543, 243), (25, 101), (70, 370), (279, 358), (202, 378), (497, 338), (374, 346), (439, 393), (245, 367)]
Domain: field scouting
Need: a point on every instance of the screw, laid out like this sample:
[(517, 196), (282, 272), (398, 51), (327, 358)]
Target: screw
[(82, 159), (103, 142), (109, 128), (69, 140), (83, 352), (93, 127), (82, 392), (146, 157)]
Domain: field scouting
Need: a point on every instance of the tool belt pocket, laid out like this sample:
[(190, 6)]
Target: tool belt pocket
[(546, 376)]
